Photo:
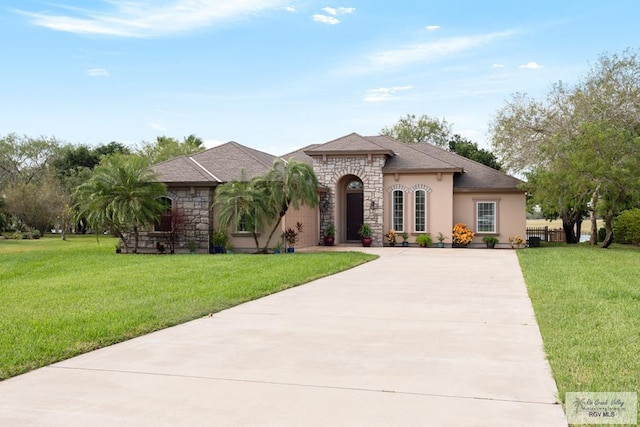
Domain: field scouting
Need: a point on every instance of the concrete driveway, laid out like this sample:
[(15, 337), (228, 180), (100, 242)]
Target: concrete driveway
[(419, 337)]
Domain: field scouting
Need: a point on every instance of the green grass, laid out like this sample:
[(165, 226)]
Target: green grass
[(587, 302), (59, 299)]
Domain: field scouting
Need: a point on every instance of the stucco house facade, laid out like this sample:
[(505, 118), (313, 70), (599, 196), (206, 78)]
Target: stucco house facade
[(412, 188)]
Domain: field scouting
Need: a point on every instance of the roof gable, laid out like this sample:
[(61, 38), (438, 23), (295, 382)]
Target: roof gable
[(352, 143), (223, 163)]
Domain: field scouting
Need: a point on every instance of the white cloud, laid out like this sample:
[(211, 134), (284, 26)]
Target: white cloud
[(339, 11), (428, 52), (497, 65), (98, 72), (332, 12), (432, 27), (531, 65), (290, 9), (384, 93), (324, 19), (149, 18)]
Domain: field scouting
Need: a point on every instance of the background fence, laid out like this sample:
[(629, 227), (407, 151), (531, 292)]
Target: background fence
[(546, 234)]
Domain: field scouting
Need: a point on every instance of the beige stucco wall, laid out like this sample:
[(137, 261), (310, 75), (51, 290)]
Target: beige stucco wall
[(511, 213), (309, 217), (439, 189)]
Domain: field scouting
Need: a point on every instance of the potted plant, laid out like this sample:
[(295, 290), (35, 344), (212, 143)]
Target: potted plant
[(329, 235), (424, 240), (462, 235), (490, 241), (277, 249), (220, 240), (405, 237), (291, 236), (192, 245), (365, 235), (441, 238), (391, 237)]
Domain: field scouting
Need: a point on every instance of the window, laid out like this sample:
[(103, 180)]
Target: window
[(164, 223), (242, 226), (486, 217), (421, 211), (397, 199)]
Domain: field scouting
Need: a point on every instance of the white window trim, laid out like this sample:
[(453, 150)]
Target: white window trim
[(393, 210), (415, 211), (496, 205)]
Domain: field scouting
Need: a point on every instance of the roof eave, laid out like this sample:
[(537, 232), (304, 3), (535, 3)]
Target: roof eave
[(487, 190), (420, 170)]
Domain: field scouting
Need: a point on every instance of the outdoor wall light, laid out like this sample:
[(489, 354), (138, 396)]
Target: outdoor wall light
[(373, 205)]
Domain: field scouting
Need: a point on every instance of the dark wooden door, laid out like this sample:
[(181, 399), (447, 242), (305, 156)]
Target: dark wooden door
[(355, 215)]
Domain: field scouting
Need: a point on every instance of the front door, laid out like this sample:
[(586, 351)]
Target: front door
[(355, 215)]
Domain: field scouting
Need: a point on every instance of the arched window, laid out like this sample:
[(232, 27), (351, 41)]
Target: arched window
[(397, 209), (165, 223), (421, 211)]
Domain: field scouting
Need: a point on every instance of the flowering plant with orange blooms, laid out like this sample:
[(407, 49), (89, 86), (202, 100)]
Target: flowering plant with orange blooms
[(462, 235), (391, 236), (516, 242)]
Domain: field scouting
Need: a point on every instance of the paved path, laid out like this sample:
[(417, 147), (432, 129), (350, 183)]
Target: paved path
[(420, 337)]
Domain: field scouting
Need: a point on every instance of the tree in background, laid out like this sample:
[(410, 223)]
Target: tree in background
[(438, 132), (423, 129), (25, 158), (580, 146), (165, 148), (123, 195), (470, 150), (37, 203)]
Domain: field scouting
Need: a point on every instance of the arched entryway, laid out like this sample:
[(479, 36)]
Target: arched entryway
[(352, 200)]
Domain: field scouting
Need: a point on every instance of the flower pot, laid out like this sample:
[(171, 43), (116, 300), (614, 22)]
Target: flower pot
[(405, 244), (218, 249), (290, 250), (491, 245), (366, 241), (441, 244), (329, 240)]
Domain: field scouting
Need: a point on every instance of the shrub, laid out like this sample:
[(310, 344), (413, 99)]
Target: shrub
[(26, 235), (462, 235), (602, 233), (35, 234), (626, 227), (18, 235), (424, 240)]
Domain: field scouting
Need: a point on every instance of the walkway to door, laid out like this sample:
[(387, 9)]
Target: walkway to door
[(438, 337)]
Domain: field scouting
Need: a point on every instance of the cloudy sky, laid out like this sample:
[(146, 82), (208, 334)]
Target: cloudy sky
[(280, 74)]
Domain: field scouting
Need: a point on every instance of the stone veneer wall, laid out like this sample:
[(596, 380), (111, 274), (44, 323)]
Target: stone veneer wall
[(369, 169), (195, 204)]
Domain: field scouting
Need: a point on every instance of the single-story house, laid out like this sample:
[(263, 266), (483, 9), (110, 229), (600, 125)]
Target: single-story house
[(412, 188)]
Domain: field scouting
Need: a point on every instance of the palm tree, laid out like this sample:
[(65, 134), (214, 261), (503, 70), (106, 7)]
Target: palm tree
[(123, 195), (243, 202), (289, 184)]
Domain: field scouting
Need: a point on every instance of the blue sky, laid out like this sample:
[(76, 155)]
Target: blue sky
[(277, 75)]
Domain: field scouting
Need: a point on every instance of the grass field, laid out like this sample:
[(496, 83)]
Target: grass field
[(587, 302), (59, 299)]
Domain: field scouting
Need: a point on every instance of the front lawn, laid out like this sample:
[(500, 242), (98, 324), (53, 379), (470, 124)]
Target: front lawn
[(59, 299), (587, 302)]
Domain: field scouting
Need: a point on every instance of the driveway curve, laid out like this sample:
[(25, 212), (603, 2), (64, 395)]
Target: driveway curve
[(438, 337)]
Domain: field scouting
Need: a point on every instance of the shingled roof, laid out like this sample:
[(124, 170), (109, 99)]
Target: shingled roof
[(419, 158), (216, 165)]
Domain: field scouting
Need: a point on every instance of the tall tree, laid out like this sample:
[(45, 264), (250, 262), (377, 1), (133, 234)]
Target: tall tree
[(25, 158), (423, 129), (586, 136), (470, 150), (165, 148), (123, 195), (37, 203)]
